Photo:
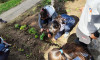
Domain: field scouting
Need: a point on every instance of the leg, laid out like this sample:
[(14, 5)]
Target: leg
[(59, 34), (83, 39)]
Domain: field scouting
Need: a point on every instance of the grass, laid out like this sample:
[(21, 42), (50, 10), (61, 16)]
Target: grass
[(46, 2), (8, 5)]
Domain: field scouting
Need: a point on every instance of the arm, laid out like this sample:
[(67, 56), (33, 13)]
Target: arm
[(59, 34), (2, 41), (39, 21), (93, 26), (54, 15)]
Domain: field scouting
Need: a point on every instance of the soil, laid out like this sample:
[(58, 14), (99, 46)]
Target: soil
[(32, 48)]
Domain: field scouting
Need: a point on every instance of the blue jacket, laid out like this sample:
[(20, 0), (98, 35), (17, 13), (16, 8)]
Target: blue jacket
[(41, 22), (69, 23)]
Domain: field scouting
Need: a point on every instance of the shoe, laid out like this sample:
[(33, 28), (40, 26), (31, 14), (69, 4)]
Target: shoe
[(66, 35), (4, 21)]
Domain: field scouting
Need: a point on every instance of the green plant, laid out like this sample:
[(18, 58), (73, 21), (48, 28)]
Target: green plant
[(23, 27), (32, 31), (36, 36), (20, 49), (28, 55), (42, 36), (17, 26)]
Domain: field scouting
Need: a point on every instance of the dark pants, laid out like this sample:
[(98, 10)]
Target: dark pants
[(4, 56), (80, 43)]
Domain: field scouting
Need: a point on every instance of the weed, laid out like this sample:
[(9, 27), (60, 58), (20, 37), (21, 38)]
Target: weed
[(20, 49), (28, 55)]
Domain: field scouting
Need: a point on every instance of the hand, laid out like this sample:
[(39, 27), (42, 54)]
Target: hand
[(49, 35), (53, 39), (81, 9), (42, 29), (47, 30), (93, 37)]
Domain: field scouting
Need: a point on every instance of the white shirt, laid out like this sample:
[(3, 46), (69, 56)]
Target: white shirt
[(91, 8)]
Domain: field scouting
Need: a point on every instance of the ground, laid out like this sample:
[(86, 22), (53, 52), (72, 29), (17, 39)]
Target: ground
[(25, 46)]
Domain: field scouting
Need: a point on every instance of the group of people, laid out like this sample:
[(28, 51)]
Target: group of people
[(88, 30), (61, 23)]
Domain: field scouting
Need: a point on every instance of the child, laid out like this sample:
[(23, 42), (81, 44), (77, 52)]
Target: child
[(47, 14), (66, 24), (4, 50), (70, 51)]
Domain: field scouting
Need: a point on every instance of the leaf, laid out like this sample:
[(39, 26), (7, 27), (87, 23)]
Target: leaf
[(17, 26)]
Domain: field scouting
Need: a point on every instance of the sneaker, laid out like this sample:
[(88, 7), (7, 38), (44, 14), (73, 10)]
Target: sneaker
[(66, 35), (4, 21)]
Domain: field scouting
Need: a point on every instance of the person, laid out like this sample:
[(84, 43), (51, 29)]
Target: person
[(88, 29), (4, 49), (3, 21), (46, 15), (89, 24), (66, 24), (70, 51)]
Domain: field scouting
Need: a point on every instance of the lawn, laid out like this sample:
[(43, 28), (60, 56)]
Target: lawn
[(8, 5)]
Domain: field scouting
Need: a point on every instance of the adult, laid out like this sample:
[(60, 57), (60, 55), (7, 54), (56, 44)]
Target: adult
[(89, 24)]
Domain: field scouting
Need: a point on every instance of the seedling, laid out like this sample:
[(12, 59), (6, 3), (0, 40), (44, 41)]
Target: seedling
[(20, 49), (42, 36), (17, 26), (23, 27), (36, 36), (28, 55), (32, 31)]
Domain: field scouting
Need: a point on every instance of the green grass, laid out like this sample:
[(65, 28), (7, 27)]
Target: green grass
[(46, 2), (8, 5)]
